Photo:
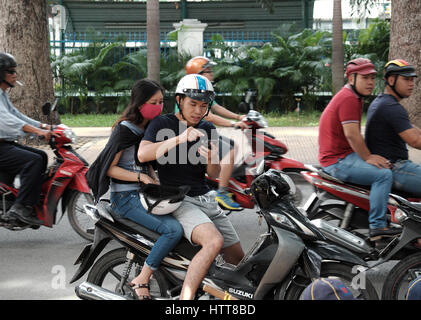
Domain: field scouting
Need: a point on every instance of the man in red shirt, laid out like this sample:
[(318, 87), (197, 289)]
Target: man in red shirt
[(342, 150)]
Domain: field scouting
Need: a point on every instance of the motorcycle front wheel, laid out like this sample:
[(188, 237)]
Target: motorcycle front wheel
[(79, 220), (108, 271), (365, 290), (401, 275)]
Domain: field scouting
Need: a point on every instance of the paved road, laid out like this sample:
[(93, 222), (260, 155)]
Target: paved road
[(38, 264)]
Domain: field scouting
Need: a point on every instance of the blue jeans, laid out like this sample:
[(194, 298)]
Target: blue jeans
[(126, 204), (355, 170), (407, 177)]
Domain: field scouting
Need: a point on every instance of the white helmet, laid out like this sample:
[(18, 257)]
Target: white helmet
[(160, 200), (196, 87)]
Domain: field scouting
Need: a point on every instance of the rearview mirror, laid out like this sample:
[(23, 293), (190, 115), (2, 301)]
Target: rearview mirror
[(46, 108)]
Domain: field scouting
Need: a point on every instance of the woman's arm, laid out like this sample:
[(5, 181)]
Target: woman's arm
[(114, 171)]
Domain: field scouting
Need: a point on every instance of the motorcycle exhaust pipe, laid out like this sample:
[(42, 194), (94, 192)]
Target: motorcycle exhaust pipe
[(222, 295), (89, 291)]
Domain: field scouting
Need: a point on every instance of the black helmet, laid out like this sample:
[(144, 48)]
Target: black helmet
[(160, 200), (399, 67), (271, 187), (7, 61)]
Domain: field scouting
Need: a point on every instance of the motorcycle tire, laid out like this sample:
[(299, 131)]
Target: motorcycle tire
[(335, 270), (108, 270), (398, 279), (79, 220)]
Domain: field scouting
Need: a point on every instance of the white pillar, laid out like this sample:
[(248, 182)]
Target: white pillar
[(190, 37)]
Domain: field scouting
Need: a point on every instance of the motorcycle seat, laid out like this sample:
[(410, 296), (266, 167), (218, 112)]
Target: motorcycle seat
[(184, 246), (327, 176)]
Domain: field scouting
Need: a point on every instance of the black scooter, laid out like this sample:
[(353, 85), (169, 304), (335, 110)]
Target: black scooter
[(281, 263)]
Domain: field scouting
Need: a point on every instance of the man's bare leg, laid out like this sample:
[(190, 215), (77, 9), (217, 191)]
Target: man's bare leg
[(233, 254), (211, 241)]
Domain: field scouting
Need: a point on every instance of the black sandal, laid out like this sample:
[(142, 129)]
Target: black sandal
[(141, 286)]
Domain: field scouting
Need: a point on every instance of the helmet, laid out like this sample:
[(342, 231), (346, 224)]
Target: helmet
[(196, 87), (7, 61), (360, 66), (160, 200), (271, 187), (198, 64), (399, 67)]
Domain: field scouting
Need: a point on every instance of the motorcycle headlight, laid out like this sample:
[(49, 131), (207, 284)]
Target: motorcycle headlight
[(282, 219), (400, 215), (69, 134)]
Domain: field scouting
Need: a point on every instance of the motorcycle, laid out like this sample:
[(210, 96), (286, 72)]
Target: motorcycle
[(345, 203), (404, 213), (266, 153), (280, 264), (64, 180)]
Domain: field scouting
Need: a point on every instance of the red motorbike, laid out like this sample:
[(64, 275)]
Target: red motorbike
[(266, 153), (346, 203), (64, 180)]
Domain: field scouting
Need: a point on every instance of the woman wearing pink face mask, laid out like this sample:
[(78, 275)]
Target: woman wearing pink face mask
[(117, 166)]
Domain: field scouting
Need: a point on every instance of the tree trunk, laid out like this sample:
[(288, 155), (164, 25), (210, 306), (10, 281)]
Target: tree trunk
[(154, 47), (405, 43), (24, 34), (337, 48)]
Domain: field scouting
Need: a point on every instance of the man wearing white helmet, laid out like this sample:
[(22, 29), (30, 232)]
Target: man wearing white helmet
[(182, 145), (219, 116)]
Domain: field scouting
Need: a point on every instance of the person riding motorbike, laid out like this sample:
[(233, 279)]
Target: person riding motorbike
[(218, 115), (15, 158), (342, 150), (117, 167), (388, 129), (172, 140)]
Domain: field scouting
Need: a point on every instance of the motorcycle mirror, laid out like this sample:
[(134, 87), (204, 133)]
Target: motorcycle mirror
[(46, 108), (243, 107)]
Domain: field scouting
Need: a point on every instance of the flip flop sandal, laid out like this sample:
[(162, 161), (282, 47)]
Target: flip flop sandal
[(141, 286)]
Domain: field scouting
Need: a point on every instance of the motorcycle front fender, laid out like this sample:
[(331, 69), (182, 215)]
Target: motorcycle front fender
[(88, 255), (289, 250), (333, 252)]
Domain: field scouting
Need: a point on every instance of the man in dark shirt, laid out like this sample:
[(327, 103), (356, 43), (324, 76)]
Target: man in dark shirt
[(388, 129), (185, 149)]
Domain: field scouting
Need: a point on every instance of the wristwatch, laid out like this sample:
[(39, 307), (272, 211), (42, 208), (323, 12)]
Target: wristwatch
[(44, 126), (233, 123)]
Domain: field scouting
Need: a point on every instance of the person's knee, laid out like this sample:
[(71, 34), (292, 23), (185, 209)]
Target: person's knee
[(208, 237), (215, 242), (172, 230), (386, 176)]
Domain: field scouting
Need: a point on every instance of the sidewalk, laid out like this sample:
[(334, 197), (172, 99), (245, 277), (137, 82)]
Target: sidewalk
[(301, 142)]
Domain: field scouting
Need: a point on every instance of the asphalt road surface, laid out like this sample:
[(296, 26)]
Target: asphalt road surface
[(38, 264)]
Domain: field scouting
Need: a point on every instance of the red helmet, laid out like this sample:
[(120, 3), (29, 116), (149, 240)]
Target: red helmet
[(360, 66), (197, 64)]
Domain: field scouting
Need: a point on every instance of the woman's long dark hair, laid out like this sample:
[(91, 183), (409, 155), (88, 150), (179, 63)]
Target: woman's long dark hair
[(142, 91)]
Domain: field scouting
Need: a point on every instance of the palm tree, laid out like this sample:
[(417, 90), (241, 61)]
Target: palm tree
[(337, 48), (153, 36)]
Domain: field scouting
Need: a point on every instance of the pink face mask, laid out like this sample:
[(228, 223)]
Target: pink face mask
[(150, 111)]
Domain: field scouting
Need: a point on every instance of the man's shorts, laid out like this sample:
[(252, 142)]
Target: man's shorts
[(195, 211)]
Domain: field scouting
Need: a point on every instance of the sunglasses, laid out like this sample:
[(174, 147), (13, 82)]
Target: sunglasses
[(11, 71)]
